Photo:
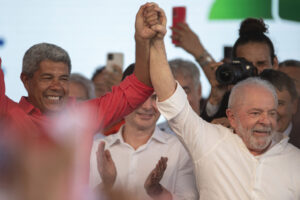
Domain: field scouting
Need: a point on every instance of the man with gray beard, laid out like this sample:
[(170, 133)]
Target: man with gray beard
[(249, 161)]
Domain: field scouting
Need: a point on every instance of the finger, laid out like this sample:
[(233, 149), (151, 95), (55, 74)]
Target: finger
[(101, 147), (150, 12), (108, 155), (151, 18), (162, 15), (150, 4), (159, 28), (215, 65), (152, 22), (177, 31), (141, 10), (182, 26)]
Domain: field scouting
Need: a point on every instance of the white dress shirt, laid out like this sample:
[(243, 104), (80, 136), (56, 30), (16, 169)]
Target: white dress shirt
[(224, 167), (134, 166)]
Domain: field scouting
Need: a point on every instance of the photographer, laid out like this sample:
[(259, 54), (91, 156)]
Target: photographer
[(252, 44)]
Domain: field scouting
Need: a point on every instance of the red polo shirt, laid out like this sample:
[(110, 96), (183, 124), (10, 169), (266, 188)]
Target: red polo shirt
[(103, 111)]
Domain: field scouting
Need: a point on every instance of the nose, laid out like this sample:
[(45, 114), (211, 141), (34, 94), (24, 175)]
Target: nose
[(55, 84), (147, 104), (265, 119)]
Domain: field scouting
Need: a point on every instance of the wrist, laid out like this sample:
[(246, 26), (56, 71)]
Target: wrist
[(158, 43), (140, 39), (155, 190), (203, 58)]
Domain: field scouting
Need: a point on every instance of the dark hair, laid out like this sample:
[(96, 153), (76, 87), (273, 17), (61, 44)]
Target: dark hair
[(280, 81), (98, 71), (290, 63), (253, 30), (128, 71)]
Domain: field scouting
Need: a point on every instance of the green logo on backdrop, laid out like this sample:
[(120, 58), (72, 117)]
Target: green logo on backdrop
[(240, 9)]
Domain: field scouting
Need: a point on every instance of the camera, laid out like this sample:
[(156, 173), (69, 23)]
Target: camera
[(235, 71)]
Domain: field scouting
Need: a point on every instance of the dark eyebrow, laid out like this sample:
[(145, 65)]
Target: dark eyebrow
[(46, 74), (261, 62), (65, 75)]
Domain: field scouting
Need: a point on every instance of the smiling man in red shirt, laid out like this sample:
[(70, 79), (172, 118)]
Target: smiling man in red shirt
[(45, 75)]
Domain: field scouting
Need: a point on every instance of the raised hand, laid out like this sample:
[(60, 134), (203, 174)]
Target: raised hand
[(145, 18), (160, 26), (106, 166), (187, 39), (152, 185)]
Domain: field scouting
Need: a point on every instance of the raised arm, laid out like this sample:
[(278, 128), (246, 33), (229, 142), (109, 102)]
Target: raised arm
[(143, 34), (161, 76), (191, 43)]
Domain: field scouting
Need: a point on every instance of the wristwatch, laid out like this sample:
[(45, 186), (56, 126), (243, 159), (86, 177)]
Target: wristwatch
[(204, 59)]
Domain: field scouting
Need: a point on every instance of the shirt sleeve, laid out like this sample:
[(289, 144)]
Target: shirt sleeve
[(185, 186), (198, 135), (121, 101)]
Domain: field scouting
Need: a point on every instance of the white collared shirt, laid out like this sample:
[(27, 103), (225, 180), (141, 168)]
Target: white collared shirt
[(134, 166), (288, 130), (224, 167)]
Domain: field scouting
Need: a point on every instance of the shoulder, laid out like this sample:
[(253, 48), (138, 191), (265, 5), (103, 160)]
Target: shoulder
[(164, 126)]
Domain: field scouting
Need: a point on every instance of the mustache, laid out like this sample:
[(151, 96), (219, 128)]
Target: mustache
[(263, 129)]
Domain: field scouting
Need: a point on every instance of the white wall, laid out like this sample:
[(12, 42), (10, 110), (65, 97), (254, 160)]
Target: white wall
[(88, 29)]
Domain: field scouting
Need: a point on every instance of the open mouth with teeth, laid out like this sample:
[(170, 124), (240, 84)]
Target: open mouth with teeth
[(54, 99), (261, 132), (145, 116)]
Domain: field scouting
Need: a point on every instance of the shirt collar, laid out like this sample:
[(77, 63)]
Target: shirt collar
[(288, 130), (158, 135), (28, 107)]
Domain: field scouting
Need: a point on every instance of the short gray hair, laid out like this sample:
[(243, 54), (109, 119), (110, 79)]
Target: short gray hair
[(186, 68), (86, 83), (40, 52), (254, 81)]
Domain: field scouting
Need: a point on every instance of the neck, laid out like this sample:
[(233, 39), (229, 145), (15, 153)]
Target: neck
[(135, 136)]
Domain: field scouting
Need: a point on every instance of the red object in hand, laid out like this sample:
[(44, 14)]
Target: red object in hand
[(179, 14)]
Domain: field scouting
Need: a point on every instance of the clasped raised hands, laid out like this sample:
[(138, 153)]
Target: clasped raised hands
[(150, 22)]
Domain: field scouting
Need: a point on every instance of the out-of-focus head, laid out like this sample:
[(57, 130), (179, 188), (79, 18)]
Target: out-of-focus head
[(98, 80), (188, 76), (254, 45), (103, 80), (252, 113), (292, 69), (81, 88), (45, 75), (147, 114), (287, 96)]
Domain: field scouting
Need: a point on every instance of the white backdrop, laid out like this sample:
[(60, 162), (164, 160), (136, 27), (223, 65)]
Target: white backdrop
[(88, 29)]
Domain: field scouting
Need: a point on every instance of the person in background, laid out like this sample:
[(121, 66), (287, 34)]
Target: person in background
[(104, 79), (188, 76), (287, 99), (81, 88), (126, 159), (253, 45), (292, 69)]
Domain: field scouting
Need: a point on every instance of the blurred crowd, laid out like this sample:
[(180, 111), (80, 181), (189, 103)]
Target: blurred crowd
[(73, 137)]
